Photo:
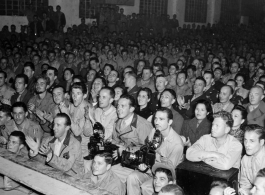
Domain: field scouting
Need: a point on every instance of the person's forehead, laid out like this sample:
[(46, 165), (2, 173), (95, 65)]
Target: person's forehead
[(123, 101), (14, 138)]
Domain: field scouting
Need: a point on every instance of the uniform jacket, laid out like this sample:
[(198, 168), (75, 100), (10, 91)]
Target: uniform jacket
[(132, 135), (257, 116), (70, 159), (211, 95), (25, 97), (133, 92), (150, 84)]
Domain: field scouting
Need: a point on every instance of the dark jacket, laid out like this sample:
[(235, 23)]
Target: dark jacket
[(25, 97), (145, 113), (190, 130), (257, 116)]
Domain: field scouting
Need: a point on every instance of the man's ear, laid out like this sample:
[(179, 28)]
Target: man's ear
[(26, 114), (173, 101), (227, 129), (230, 97), (20, 147), (85, 96), (55, 77), (132, 109), (170, 122), (111, 100)]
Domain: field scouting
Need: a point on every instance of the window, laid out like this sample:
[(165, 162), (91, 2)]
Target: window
[(196, 11), (15, 7), (149, 7)]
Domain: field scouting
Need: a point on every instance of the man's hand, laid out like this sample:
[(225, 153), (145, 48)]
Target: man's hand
[(142, 167), (40, 115), (3, 140), (63, 108), (45, 150), (6, 101), (118, 152), (33, 145), (47, 116), (216, 155), (31, 107)]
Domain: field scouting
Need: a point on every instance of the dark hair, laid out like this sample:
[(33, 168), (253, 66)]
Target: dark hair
[(111, 91), (147, 90), (59, 86), (226, 116), (171, 91), (107, 157), (166, 171), (231, 89), (20, 135), (175, 65), (4, 73), (208, 107), (192, 67), (257, 129), (132, 74), (6, 109), (109, 65), (54, 70), (70, 70), (94, 59), (220, 69), (65, 116), (201, 79), (166, 110), (79, 85), (173, 188), (240, 75), (29, 64), (20, 105), (209, 72), (183, 72), (130, 98), (102, 80), (23, 76)]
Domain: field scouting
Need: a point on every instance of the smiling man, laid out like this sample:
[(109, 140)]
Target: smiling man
[(61, 151), (218, 149)]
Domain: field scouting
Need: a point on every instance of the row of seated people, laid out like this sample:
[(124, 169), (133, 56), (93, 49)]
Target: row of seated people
[(129, 130)]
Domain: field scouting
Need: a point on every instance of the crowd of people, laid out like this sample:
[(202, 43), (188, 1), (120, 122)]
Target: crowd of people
[(201, 87)]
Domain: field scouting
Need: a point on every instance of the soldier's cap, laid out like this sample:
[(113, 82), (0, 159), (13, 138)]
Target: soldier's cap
[(165, 166)]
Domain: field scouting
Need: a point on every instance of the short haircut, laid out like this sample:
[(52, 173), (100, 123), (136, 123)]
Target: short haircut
[(45, 78), (130, 98), (20, 105), (70, 70), (109, 65), (20, 135), (147, 90), (54, 70), (23, 76), (65, 116), (6, 109), (192, 67), (107, 157), (207, 104), (158, 65), (209, 72), (131, 74), (232, 80), (183, 72), (201, 79), (102, 80), (226, 116), (172, 188), (257, 129), (4, 73), (258, 87), (81, 86), (166, 171), (167, 111), (220, 184), (261, 173), (94, 59), (220, 69), (175, 65), (29, 64), (171, 91), (111, 91), (59, 86), (231, 89)]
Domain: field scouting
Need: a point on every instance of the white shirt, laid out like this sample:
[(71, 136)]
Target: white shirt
[(57, 147), (127, 122)]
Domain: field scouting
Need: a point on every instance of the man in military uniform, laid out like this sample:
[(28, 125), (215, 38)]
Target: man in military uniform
[(210, 91)]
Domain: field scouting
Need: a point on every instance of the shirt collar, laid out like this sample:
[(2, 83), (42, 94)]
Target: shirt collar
[(108, 111)]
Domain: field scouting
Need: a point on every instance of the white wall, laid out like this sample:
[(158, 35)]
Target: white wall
[(71, 10)]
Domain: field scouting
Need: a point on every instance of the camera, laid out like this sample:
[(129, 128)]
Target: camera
[(97, 143), (146, 154)]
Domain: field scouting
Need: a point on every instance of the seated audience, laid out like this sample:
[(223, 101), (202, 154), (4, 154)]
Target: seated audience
[(200, 125), (218, 149)]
